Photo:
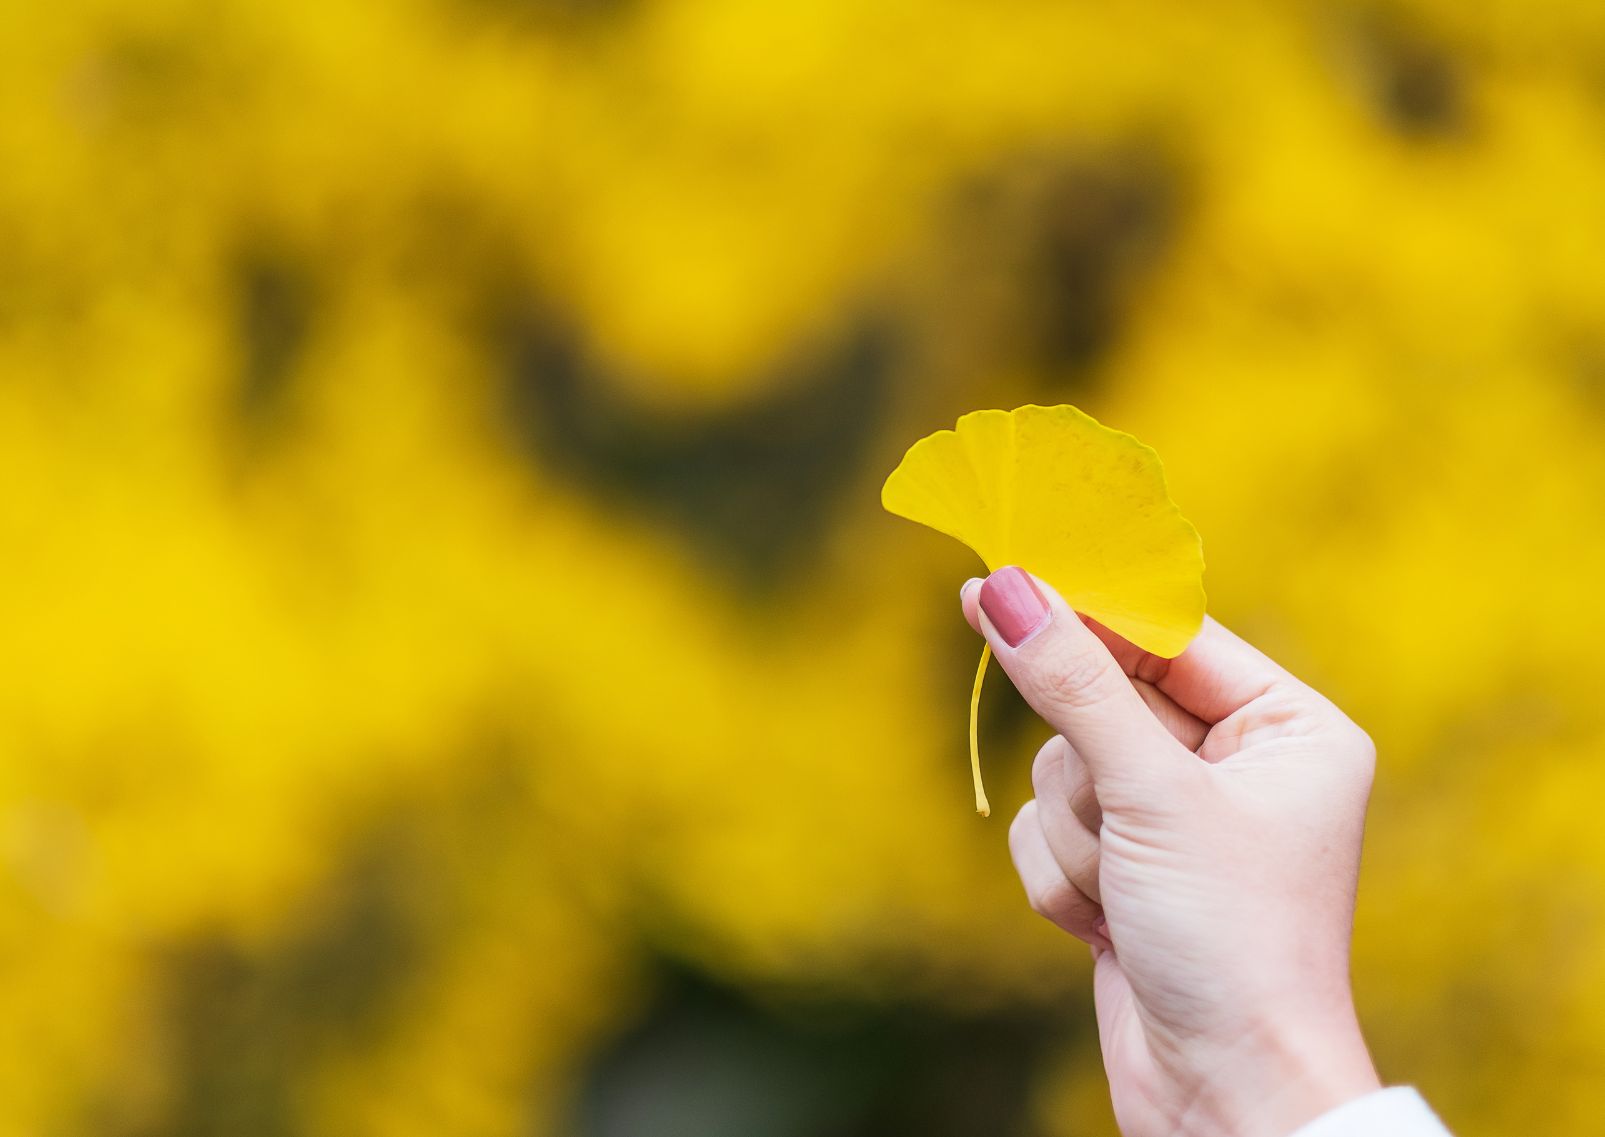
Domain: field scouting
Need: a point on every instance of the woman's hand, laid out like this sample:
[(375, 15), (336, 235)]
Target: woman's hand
[(1198, 822)]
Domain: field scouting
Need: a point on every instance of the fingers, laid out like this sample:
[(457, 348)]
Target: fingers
[(1051, 894), (1072, 681), (1068, 812), (1216, 676), (1120, 1028), (1184, 727)]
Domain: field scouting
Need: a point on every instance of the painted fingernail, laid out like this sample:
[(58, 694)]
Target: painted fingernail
[(964, 589), (1010, 599)]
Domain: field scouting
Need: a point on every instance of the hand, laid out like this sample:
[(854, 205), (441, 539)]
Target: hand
[(1198, 822)]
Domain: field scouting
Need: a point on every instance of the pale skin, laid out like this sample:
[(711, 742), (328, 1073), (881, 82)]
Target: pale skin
[(1197, 821)]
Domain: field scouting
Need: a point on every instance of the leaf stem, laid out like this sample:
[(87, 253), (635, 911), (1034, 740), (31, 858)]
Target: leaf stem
[(981, 805)]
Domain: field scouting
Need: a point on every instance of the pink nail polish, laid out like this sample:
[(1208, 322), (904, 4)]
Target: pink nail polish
[(1010, 599)]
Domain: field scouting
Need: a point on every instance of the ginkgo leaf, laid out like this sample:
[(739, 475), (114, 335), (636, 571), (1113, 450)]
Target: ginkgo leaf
[(1082, 506)]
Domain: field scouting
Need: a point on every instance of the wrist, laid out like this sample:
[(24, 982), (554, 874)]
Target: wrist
[(1284, 1072)]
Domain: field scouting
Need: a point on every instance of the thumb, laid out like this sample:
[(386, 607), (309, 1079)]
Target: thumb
[(1070, 679)]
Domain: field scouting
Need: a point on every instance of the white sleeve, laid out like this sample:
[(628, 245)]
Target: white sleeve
[(1394, 1112)]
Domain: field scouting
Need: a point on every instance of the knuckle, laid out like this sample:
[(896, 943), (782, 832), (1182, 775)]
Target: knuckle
[(1282, 705), (1048, 765), (1362, 751), (1075, 680), (1056, 901), (1151, 668), (1019, 834), (1084, 804), (1083, 873)]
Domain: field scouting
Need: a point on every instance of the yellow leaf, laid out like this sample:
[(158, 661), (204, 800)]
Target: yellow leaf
[(1080, 505)]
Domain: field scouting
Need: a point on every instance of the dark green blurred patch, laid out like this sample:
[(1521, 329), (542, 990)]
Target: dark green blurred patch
[(274, 298), (753, 488), (1096, 229), (247, 1030), (545, 16), (710, 1061), (1416, 82), (1056, 247)]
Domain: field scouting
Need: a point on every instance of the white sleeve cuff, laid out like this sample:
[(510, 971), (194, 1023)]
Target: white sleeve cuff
[(1394, 1112)]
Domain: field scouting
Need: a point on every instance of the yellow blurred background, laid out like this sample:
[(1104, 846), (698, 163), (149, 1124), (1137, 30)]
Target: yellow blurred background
[(456, 677)]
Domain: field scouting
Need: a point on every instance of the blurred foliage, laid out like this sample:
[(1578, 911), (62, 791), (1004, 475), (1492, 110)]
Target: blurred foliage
[(457, 677)]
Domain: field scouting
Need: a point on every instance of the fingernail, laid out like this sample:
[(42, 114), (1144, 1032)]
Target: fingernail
[(964, 589), (1010, 599), (1100, 928)]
